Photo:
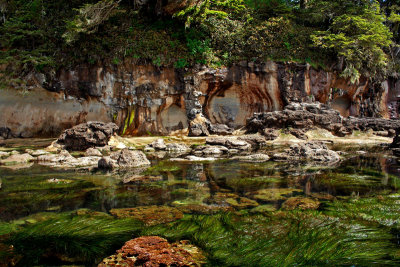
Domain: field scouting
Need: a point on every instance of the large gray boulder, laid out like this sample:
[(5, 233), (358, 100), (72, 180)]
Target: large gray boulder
[(87, 135), (124, 159)]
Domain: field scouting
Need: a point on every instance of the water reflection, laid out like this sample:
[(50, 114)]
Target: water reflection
[(37, 189)]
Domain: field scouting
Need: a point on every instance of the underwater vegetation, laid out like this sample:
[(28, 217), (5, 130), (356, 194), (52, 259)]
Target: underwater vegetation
[(237, 214), (281, 239), (71, 238)]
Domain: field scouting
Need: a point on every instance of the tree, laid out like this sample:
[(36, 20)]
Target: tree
[(359, 40), (89, 17)]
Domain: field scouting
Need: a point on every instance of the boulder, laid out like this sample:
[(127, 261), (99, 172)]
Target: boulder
[(124, 159), (87, 135), (177, 148), (199, 126), (65, 160), (63, 156), (209, 150), (256, 141), (5, 132), (107, 163), (4, 154), (17, 158), (159, 144), (94, 152), (219, 141), (234, 142), (220, 129)]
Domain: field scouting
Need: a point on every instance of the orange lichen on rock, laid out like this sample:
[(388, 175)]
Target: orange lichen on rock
[(155, 251)]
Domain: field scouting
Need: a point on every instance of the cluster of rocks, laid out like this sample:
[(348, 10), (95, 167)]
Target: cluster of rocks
[(155, 251), (312, 151), (201, 126), (304, 116), (159, 145), (95, 137)]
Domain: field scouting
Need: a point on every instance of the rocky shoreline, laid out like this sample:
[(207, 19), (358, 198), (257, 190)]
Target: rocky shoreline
[(96, 145)]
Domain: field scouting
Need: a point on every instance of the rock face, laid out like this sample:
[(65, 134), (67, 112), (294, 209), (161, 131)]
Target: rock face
[(144, 99), (305, 116), (87, 135), (312, 151), (155, 251)]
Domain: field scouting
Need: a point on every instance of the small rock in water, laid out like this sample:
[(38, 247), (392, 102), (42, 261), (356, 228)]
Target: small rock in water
[(175, 147), (302, 203), (253, 158), (4, 154), (158, 144), (17, 158), (93, 152)]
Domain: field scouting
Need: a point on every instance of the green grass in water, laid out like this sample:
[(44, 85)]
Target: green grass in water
[(86, 239), (282, 239)]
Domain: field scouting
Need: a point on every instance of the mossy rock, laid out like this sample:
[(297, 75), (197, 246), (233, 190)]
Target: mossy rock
[(242, 203), (302, 203), (150, 215), (273, 194), (252, 183), (267, 208)]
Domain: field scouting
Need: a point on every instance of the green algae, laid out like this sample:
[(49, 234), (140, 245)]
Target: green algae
[(356, 222), (383, 210), (80, 238), (281, 239), (162, 167), (252, 183), (149, 215), (273, 194)]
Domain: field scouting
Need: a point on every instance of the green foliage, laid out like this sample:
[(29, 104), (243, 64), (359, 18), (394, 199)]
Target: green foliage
[(43, 36), (282, 239), (360, 40), (204, 9), (86, 238), (89, 17)]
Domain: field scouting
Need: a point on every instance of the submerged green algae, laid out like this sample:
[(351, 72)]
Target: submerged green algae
[(243, 220)]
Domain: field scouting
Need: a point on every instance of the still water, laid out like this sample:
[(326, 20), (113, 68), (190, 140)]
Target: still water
[(239, 214)]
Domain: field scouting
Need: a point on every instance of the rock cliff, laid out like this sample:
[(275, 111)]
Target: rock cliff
[(144, 99)]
